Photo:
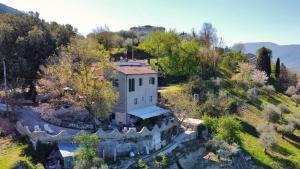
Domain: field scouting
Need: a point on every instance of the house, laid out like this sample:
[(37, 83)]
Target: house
[(136, 83)]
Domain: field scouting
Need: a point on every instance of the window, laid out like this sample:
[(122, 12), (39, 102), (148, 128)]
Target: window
[(150, 98), (131, 85), (115, 82), (152, 80), (142, 98), (141, 81), (135, 100)]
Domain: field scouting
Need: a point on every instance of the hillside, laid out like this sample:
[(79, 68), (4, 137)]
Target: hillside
[(289, 54)]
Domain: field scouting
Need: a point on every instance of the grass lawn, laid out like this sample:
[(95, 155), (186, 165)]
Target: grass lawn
[(11, 153)]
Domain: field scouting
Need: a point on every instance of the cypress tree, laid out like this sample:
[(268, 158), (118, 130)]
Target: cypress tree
[(277, 68), (263, 60)]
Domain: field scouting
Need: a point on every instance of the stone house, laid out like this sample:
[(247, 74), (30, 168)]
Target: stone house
[(136, 84)]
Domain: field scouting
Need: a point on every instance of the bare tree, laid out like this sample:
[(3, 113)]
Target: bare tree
[(181, 104), (208, 35)]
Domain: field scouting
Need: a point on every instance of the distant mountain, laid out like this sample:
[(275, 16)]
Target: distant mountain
[(4, 9), (288, 54)]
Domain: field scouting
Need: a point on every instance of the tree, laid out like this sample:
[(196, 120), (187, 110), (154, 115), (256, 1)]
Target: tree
[(277, 68), (259, 77), (182, 109), (291, 91), (83, 67), (228, 129), (267, 136), (272, 113), (208, 36), (285, 129), (231, 60), (263, 60), (86, 155), (245, 72)]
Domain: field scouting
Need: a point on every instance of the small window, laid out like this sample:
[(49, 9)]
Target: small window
[(151, 98), (135, 100), (141, 81), (152, 80), (116, 82), (131, 85), (142, 98)]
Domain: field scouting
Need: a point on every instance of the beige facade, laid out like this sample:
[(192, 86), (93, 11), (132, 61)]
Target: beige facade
[(142, 94)]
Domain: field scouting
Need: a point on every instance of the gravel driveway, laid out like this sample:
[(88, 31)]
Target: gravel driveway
[(28, 116)]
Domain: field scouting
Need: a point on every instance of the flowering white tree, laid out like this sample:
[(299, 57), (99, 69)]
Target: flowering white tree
[(259, 77)]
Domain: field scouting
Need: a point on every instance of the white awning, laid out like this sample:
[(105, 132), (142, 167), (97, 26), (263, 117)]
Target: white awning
[(148, 112)]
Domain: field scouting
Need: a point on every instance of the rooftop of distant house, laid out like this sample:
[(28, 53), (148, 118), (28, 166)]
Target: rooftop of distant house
[(134, 67)]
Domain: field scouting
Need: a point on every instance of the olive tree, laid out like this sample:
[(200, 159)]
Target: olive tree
[(84, 68)]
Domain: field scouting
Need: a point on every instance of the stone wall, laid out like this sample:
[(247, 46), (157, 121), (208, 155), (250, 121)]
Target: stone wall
[(104, 135)]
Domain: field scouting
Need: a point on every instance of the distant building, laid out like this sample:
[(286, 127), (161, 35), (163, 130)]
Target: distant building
[(148, 29), (137, 86)]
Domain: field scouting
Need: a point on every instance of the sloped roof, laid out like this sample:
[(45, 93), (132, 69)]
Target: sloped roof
[(134, 68)]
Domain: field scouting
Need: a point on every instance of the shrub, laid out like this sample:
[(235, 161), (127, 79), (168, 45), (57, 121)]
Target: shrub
[(269, 88), (161, 161), (294, 121), (228, 129), (285, 129), (141, 165), (252, 93), (211, 123), (296, 98), (272, 113), (291, 91), (284, 108), (267, 136)]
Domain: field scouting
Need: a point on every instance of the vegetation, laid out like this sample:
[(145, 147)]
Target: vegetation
[(264, 56), (84, 69), (87, 154)]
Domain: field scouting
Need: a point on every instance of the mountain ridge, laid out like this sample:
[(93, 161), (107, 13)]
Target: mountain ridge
[(288, 54), (4, 9)]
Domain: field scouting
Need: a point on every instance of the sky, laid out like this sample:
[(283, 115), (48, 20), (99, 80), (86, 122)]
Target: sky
[(276, 21)]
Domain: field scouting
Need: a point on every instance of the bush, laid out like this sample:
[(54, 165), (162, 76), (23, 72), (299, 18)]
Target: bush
[(267, 136), (211, 123), (291, 91), (161, 161), (228, 129), (141, 165), (252, 94), (285, 129), (296, 98), (294, 121), (269, 88), (272, 113), (284, 108)]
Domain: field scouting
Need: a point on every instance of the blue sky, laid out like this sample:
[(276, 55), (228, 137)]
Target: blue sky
[(275, 21)]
